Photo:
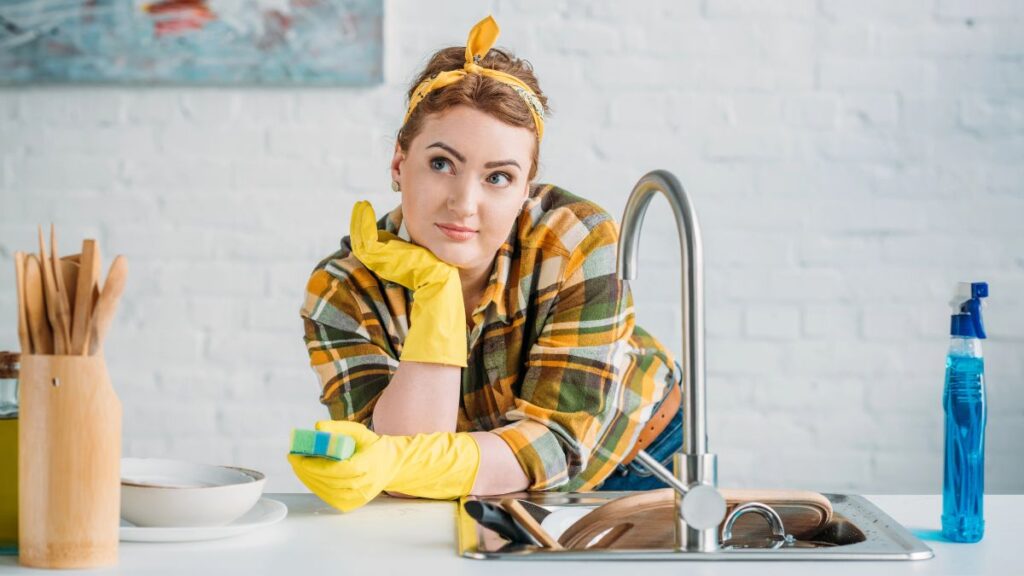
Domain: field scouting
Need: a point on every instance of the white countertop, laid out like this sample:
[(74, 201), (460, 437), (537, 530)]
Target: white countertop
[(411, 537)]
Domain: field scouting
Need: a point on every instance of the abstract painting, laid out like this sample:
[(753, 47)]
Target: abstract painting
[(192, 42)]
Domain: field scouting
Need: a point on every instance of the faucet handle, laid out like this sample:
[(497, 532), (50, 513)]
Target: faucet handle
[(702, 507)]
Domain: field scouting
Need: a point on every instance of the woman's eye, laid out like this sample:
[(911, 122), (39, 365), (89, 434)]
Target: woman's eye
[(501, 174), (439, 162)]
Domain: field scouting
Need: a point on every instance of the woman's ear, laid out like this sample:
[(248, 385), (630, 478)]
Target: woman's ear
[(396, 164)]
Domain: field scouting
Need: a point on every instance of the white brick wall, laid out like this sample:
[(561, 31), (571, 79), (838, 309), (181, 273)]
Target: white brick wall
[(850, 161)]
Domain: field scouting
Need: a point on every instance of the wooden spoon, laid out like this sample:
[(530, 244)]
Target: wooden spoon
[(63, 304), (513, 507), (50, 295), (19, 276), (35, 302), (88, 277), (113, 286)]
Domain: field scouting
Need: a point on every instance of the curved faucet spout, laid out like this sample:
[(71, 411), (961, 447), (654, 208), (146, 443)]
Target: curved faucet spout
[(691, 247)]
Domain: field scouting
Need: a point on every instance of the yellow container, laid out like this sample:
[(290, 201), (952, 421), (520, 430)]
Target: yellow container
[(8, 453)]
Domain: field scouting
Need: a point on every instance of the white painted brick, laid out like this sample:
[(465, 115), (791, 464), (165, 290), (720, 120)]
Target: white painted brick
[(860, 110), (238, 279), (187, 384), (63, 172), (774, 322), (754, 144), (85, 107), (755, 110), (843, 38), (907, 12), (992, 117), (583, 37), (183, 175), (965, 76), (186, 420), (909, 471), (874, 75), (619, 12), (210, 107), (112, 141), (830, 321), (990, 10), (213, 312), (154, 107), (754, 249), (212, 143), (273, 314), (759, 10), (9, 109), (283, 174), (640, 110), (743, 73), (724, 320), (744, 357)]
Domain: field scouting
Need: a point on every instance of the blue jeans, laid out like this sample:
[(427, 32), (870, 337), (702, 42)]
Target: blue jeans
[(636, 476)]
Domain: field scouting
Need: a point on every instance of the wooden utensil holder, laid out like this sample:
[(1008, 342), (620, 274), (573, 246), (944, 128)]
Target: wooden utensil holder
[(69, 463)]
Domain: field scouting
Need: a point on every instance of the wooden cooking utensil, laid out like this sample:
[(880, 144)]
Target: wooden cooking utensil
[(50, 292), (63, 304), (512, 506), (35, 303), (69, 269), (88, 277), (647, 519), (113, 286), (19, 277)]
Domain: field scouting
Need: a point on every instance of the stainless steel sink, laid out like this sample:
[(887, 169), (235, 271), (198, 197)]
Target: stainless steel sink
[(858, 531)]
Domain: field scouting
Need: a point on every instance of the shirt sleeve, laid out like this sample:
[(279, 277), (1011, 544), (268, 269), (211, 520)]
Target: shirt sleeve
[(577, 414), (348, 346)]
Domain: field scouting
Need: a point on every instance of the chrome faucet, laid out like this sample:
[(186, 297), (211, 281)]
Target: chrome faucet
[(700, 506)]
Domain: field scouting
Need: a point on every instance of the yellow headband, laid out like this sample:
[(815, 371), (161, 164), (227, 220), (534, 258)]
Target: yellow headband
[(481, 38)]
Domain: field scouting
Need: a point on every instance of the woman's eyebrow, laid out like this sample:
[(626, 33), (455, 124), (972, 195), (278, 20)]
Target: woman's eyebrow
[(462, 158)]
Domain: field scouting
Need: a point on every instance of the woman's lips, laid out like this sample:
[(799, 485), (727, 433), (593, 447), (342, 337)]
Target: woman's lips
[(457, 233)]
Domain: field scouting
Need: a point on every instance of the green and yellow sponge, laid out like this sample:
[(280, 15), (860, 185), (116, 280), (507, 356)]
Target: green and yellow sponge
[(322, 444)]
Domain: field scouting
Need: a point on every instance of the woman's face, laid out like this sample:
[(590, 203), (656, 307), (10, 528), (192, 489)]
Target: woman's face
[(464, 180)]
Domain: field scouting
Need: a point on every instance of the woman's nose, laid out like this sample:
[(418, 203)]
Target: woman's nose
[(463, 198)]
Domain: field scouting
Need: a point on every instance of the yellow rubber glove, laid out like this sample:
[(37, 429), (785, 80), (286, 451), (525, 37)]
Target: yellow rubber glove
[(437, 323), (442, 466)]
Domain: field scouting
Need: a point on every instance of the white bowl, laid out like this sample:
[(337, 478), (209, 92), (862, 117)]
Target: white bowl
[(156, 492)]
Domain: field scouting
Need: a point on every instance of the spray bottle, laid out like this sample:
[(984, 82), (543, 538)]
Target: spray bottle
[(963, 487)]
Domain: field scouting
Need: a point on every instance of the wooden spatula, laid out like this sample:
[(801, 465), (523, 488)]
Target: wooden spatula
[(35, 303), (513, 507), (19, 277), (88, 278), (50, 295), (63, 304), (113, 286)]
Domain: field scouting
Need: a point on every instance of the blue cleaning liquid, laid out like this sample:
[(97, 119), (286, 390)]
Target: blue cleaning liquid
[(964, 481)]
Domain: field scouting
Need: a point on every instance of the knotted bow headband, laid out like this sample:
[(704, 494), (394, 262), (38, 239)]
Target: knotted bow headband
[(481, 38)]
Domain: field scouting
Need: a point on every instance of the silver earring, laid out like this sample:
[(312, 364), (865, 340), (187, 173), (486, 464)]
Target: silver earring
[(394, 186)]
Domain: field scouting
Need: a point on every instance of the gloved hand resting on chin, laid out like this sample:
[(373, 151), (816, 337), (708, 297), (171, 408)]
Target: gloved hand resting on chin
[(437, 323)]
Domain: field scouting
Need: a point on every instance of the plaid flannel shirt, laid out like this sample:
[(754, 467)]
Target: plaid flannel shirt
[(556, 366)]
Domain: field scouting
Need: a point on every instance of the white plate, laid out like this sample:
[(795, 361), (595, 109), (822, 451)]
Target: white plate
[(264, 513), (561, 518)]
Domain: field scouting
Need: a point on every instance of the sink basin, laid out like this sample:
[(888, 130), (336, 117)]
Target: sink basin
[(858, 531)]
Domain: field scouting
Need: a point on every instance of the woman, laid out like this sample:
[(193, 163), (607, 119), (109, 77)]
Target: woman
[(479, 329)]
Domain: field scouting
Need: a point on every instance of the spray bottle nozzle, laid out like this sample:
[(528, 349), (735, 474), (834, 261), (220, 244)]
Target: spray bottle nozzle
[(966, 320)]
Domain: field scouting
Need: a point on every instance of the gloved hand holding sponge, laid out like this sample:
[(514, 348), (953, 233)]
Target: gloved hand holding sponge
[(441, 465)]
